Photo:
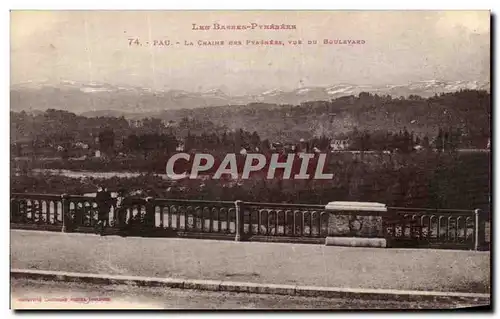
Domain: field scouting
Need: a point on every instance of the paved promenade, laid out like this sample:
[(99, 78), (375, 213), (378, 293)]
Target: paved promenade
[(70, 295), (268, 263)]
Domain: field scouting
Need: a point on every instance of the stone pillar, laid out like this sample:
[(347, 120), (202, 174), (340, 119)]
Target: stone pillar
[(66, 218), (14, 210), (479, 231), (150, 213), (240, 222)]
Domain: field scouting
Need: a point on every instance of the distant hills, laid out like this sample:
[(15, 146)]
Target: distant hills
[(99, 99)]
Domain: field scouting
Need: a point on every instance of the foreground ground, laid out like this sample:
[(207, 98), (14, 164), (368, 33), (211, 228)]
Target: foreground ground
[(25, 294), (269, 263)]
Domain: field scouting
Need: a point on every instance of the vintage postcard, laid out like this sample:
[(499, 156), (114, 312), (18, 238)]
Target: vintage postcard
[(250, 160)]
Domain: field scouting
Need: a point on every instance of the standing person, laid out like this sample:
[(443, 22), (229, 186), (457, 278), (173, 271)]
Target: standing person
[(121, 211), (103, 200)]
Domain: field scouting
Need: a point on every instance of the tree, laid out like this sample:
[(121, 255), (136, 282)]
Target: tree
[(425, 142), (406, 142), (189, 142), (152, 125), (132, 143), (106, 141), (440, 140), (255, 140)]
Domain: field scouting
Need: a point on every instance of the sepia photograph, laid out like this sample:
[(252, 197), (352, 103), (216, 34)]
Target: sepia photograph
[(250, 160)]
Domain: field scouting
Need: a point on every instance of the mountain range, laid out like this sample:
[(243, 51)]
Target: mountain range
[(99, 99)]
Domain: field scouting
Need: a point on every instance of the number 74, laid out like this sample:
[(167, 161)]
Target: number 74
[(133, 41)]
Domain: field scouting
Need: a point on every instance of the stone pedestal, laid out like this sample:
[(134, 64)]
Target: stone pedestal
[(355, 219), (355, 226)]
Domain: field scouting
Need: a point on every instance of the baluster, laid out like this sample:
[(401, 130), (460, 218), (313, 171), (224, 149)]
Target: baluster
[(93, 212), (319, 223), (29, 210), (162, 217), (448, 229), (175, 209), (424, 230), (324, 223), (212, 219), (169, 216), (220, 211), (74, 215), (187, 214), (260, 221), (52, 217), (202, 218), (287, 225), (204, 210), (41, 213), (34, 210), (469, 221), (251, 221), (150, 213), (199, 218), (458, 230), (295, 226), (38, 211), (277, 223), (312, 215), (45, 204), (439, 227), (82, 219), (302, 224), (256, 215), (182, 216), (230, 213), (194, 215), (268, 223)]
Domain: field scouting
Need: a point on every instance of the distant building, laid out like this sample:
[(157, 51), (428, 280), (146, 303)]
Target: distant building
[(302, 147), (418, 148), (277, 146), (81, 145), (180, 147), (135, 123), (290, 148), (339, 145), (168, 123)]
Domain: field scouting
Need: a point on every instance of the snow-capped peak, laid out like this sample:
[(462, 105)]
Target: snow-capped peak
[(273, 92), (214, 92)]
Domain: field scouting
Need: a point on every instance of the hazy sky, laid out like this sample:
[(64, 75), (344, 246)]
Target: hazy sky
[(399, 47)]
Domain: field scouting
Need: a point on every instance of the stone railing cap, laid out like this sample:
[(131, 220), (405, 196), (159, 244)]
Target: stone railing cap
[(356, 206)]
